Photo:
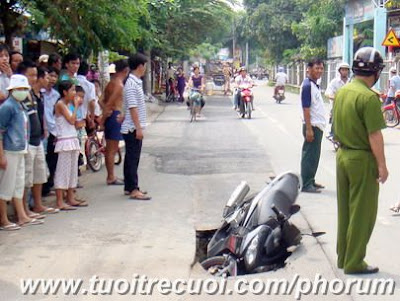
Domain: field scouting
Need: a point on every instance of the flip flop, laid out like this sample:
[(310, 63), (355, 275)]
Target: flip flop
[(395, 208), (10, 227), (37, 216), (51, 210), (80, 204), (48, 210), (32, 222), (67, 208), (128, 193), (116, 182), (140, 198)]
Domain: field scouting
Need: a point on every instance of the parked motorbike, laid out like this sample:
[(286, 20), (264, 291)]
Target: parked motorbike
[(245, 100), (256, 234), (280, 95)]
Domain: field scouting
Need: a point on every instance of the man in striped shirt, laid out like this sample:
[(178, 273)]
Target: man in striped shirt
[(133, 125)]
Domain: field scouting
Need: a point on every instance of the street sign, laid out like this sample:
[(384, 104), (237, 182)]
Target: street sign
[(391, 39)]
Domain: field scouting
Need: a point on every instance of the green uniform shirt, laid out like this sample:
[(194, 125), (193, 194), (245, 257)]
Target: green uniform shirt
[(356, 114)]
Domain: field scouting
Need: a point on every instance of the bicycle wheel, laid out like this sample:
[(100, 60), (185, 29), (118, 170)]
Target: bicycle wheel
[(391, 118), (94, 156)]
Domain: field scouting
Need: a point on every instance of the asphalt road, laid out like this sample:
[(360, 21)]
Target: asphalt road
[(190, 169)]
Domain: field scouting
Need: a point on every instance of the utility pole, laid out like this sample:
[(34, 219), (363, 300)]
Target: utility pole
[(233, 40), (247, 55)]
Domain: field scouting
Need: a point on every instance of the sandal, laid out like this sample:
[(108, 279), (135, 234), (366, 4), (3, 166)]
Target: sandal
[(140, 197), (32, 222), (116, 182), (10, 227), (36, 215), (395, 208), (80, 204), (50, 210), (128, 193), (66, 208)]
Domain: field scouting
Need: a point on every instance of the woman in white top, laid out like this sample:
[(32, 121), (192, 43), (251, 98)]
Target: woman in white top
[(67, 147)]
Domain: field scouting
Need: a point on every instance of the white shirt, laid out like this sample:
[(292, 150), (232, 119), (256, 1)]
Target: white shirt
[(394, 85), (239, 80), (334, 86), (90, 93), (281, 78), (311, 98), (133, 98)]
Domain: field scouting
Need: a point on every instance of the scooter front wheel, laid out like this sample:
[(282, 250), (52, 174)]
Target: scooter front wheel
[(220, 266)]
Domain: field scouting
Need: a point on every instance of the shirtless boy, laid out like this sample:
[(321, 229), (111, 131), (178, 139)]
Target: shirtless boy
[(113, 117)]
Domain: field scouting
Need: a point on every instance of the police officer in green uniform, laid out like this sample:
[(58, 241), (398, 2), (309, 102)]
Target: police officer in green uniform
[(360, 161)]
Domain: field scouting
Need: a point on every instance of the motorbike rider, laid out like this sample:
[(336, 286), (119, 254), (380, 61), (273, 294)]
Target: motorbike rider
[(243, 79), (339, 81), (281, 79), (196, 81)]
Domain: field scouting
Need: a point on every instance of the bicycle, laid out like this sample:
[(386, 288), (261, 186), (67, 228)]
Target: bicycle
[(173, 93), (195, 103), (95, 149)]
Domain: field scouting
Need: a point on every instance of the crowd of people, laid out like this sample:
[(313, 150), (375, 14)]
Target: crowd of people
[(47, 109)]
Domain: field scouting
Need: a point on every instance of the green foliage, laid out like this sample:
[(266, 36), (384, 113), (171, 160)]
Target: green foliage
[(294, 30), (178, 26), (271, 24), (205, 51), (90, 25), (168, 27), (322, 21)]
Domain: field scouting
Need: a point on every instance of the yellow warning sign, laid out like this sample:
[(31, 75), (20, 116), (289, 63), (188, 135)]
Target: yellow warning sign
[(391, 39)]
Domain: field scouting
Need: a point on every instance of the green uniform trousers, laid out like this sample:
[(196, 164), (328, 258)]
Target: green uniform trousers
[(357, 195), (310, 155)]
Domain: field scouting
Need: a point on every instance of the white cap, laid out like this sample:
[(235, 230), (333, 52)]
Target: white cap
[(43, 58), (111, 68), (344, 65), (18, 81), (393, 70)]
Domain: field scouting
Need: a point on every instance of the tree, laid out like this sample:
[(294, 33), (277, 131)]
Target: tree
[(322, 21), (82, 25), (271, 21), (12, 19), (178, 26)]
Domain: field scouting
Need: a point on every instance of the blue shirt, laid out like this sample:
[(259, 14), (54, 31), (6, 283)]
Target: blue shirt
[(50, 98), (14, 126)]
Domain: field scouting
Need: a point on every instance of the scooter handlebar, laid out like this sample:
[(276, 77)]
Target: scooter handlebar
[(279, 215)]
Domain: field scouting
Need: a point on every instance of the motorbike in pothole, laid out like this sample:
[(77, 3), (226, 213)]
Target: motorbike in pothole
[(256, 234)]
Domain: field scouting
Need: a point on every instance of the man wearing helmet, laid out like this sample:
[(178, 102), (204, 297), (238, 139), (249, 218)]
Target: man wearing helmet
[(360, 161), (336, 84), (281, 79), (394, 85)]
